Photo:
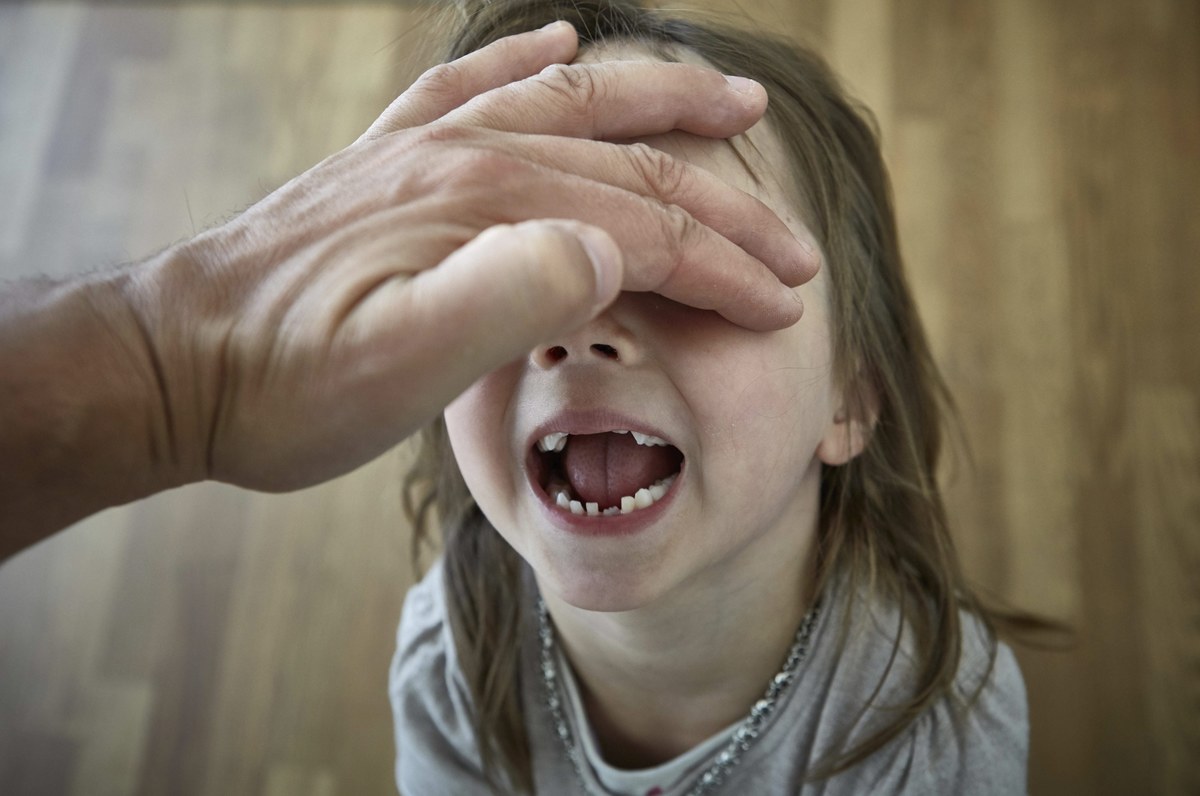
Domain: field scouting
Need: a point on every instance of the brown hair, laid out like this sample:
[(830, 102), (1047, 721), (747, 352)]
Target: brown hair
[(882, 520)]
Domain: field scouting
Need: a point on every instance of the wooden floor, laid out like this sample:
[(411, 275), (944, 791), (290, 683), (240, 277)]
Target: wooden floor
[(1047, 163)]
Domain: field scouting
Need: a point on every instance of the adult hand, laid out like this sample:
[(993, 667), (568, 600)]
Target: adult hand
[(482, 213)]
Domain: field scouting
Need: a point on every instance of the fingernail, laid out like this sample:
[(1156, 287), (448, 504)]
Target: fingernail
[(816, 259), (799, 304), (811, 253), (744, 85), (558, 23), (605, 255)]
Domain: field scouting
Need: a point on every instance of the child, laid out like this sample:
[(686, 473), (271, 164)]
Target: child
[(682, 557)]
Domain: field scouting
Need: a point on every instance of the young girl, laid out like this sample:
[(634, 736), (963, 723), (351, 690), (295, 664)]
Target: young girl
[(682, 557)]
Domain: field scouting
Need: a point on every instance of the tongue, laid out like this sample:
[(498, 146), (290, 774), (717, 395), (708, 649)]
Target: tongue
[(603, 468)]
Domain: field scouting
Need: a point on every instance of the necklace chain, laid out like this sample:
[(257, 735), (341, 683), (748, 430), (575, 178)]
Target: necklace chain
[(740, 740)]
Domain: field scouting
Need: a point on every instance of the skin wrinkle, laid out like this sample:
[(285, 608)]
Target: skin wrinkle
[(667, 54)]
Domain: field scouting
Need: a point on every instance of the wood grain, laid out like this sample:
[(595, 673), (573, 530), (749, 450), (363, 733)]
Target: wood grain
[(1046, 159)]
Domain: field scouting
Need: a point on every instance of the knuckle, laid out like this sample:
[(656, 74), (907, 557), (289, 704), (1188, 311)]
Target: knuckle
[(680, 231), (480, 168), (443, 81), (662, 174), (574, 84), (491, 166), (436, 135)]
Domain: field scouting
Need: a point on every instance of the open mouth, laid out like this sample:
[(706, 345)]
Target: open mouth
[(614, 472)]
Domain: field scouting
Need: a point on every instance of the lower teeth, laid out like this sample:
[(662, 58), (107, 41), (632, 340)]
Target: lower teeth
[(643, 498)]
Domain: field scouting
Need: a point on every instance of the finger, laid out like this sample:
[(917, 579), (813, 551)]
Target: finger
[(743, 219), (619, 99), (487, 304), (447, 86), (666, 249)]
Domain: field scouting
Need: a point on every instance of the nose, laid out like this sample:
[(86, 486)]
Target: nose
[(602, 341)]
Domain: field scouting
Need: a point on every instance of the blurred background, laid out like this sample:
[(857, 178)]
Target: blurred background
[(1046, 158)]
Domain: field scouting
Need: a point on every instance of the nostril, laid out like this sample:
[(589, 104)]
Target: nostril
[(605, 351), (556, 354)]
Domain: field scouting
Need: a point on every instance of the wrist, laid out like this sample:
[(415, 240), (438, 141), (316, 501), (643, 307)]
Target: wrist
[(155, 312), (84, 423)]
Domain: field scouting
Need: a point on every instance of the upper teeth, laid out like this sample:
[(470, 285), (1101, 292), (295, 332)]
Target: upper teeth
[(553, 442), (558, 440), (647, 439)]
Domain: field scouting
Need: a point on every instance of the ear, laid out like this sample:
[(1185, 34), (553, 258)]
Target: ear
[(850, 430)]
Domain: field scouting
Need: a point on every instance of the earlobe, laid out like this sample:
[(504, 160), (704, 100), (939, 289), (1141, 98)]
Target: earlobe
[(848, 434), (842, 442)]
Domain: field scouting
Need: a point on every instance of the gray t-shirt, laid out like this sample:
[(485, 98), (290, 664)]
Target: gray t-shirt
[(982, 751)]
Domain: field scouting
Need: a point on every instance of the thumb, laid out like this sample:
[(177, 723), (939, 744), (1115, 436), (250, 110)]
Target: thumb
[(510, 288)]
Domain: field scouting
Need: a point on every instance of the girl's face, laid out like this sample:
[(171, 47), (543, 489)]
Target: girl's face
[(753, 415)]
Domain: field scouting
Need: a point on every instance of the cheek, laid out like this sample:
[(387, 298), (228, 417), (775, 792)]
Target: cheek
[(476, 423), (764, 403)]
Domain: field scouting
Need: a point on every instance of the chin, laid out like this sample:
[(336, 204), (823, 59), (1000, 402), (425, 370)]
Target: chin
[(601, 586)]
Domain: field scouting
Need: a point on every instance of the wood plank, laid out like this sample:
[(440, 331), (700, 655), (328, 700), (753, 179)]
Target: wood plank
[(1046, 161), (36, 54), (1165, 437)]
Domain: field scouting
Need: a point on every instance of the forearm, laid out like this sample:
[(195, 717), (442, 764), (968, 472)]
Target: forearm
[(82, 424)]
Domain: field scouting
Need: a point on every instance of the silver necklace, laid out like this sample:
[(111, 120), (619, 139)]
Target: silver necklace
[(742, 738)]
